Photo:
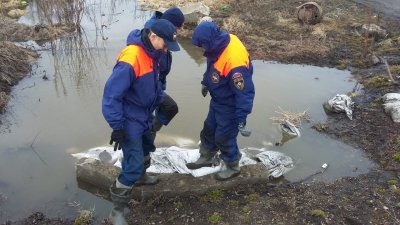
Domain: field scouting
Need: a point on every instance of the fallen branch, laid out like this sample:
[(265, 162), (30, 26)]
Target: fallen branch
[(388, 70), (33, 149)]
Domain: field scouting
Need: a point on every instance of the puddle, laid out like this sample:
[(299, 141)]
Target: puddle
[(389, 8), (47, 120)]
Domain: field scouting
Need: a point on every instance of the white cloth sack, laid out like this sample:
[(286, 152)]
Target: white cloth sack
[(290, 128), (342, 103), (174, 159), (392, 106)]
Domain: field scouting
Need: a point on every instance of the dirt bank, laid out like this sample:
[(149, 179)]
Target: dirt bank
[(16, 61), (271, 32)]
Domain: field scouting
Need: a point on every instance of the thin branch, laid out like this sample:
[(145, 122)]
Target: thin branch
[(33, 149), (388, 70)]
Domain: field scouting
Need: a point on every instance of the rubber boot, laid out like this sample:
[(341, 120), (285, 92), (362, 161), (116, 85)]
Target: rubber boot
[(231, 169), (156, 126), (120, 193), (146, 179), (207, 159)]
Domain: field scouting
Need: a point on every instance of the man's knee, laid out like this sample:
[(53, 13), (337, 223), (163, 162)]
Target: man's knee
[(168, 108)]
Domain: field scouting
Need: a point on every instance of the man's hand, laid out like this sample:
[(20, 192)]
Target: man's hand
[(204, 90), (244, 130), (117, 136)]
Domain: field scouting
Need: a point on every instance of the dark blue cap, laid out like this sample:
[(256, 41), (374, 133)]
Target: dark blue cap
[(175, 16), (167, 31)]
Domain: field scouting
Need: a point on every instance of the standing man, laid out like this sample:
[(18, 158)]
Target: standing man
[(131, 94), (168, 108), (228, 78)]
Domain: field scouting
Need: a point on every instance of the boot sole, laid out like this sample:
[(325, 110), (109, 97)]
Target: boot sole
[(193, 166), (228, 178)]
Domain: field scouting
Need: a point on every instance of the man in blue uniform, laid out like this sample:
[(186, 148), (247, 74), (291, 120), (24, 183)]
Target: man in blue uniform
[(131, 94), (168, 107), (228, 79)]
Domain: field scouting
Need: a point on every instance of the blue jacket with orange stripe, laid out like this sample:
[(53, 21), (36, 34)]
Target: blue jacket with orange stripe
[(132, 91), (165, 60), (229, 70)]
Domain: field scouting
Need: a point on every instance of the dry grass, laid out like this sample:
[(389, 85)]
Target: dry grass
[(164, 4), (3, 102), (13, 60), (319, 32), (294, 117), (236, 25), (14, 65), (287, 20), (6, 5)]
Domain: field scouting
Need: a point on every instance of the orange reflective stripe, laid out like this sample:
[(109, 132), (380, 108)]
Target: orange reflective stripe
[(135, 56), (234, 55)]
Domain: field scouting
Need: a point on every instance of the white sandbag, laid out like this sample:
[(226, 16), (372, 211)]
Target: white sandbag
[(276, 163), (103, 154), (392, 106), (341, 103), (290, 128), (174, 159), (391, 97)]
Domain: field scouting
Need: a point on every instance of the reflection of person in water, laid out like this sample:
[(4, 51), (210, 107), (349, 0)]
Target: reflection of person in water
[(117, 215)]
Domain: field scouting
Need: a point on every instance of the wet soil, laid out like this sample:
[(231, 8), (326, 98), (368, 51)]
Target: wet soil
[(271, 32)]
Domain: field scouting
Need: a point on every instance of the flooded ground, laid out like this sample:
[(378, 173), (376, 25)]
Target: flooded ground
[(47, 120), (390, 8)]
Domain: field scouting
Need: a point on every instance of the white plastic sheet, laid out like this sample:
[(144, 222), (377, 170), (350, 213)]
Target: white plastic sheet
[(290, 128), (174, 159), (342, 103), (392, 106), (276, 163)]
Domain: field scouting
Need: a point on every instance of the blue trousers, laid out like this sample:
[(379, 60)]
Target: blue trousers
[(220, 132), (134, 152)]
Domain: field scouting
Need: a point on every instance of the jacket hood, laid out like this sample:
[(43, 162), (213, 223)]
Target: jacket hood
[(208, 36), (139, 37)]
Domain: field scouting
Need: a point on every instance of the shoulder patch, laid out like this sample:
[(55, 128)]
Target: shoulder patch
[(215, 78), (238, 81)]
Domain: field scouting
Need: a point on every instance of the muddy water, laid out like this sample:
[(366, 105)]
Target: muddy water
[(47, 120), (390, 8)]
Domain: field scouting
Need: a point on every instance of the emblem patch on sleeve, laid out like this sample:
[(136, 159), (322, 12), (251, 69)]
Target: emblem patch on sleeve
[(215, 78), (238, 81)]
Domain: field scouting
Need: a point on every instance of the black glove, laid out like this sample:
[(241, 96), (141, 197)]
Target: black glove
[(204, 90), (117, 136)]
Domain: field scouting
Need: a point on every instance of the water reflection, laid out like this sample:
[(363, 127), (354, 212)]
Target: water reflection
[(118, 211), (193, 51), (117, 214), (72, 55)]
